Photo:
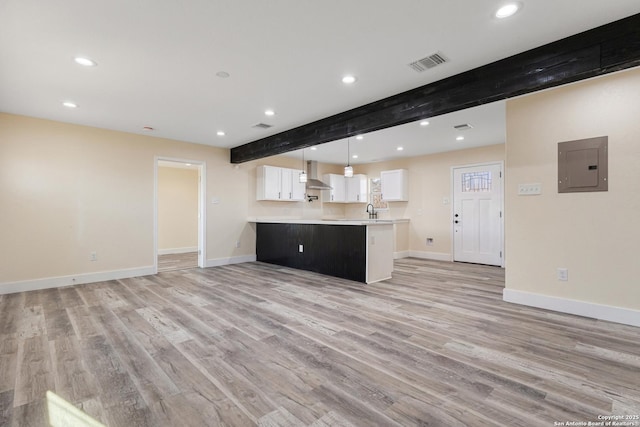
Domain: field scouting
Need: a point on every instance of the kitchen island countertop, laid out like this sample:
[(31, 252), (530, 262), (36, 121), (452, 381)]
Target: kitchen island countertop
[(327, 221)]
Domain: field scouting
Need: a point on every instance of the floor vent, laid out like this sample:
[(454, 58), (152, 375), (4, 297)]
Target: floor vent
[(464, 126), (261, 126), (428, 62)]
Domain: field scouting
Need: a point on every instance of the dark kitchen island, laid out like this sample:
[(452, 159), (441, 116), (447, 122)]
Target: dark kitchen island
[(360, 250)]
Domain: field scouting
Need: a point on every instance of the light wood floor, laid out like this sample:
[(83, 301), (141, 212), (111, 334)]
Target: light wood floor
[(256, 344), (170, 262)]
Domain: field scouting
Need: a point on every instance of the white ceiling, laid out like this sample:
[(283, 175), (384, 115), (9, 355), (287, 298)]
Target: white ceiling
[(158, 59)]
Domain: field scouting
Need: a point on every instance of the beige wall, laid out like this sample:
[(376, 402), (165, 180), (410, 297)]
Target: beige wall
[(429, 185), (67, 190), (177, 209), (594, 234)]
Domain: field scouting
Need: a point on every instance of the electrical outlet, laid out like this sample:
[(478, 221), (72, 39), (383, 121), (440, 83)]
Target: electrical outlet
[(429, 241), (563, 274), (300, 248), (237, 243), (93, 256)]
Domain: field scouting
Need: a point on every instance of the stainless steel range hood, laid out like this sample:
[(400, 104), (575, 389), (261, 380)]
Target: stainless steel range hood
[(313, 183)]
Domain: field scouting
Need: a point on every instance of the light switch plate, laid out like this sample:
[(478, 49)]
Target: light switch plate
[(529, 189)]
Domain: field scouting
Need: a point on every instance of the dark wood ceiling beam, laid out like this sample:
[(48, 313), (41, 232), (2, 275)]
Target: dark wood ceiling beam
[(602, 50)]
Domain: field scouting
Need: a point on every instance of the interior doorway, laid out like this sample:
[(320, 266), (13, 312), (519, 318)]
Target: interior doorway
[(478, 220), (179, 232)]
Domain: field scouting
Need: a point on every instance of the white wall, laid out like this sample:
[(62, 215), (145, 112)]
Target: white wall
[(592, 234)]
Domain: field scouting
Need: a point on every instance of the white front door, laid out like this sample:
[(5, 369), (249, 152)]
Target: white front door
[(477, 214)]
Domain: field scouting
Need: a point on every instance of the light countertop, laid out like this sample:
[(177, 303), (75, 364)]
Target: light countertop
[(327, 221)]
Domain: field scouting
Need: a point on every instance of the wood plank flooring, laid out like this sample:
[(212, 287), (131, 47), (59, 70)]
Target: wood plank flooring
[(257, 344), (184, 261)]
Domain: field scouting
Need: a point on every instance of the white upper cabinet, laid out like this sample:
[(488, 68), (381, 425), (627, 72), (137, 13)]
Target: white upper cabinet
[(280, 184), (337, 193), (395, 185), (347, 190), (357, 189), (268, 185), (291, 180)]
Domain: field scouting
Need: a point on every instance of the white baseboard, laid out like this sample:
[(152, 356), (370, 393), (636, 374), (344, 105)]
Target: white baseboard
[(177, 250), (217, 262), (436, 256), (77, 279), (102, 276), (581, 308), (401, 254)]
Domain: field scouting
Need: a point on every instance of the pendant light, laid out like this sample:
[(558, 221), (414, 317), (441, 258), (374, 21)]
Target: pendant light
[(303, 175), (348, 170)]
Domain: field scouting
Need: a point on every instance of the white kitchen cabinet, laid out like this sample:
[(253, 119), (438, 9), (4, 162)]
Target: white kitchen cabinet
[(347, 190), (292, 188), (395, 185), (337, 194), (357, 189), (268, 185), (279, 184)]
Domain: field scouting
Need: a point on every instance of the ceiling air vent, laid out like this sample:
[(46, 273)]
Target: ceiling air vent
[(261, 126), (428, 62), (464, 126)]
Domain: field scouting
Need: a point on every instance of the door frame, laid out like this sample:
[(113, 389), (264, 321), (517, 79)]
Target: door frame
[(452, 230), (202, 205)]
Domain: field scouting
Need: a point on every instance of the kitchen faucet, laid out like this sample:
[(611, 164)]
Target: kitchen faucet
[(372, 213)]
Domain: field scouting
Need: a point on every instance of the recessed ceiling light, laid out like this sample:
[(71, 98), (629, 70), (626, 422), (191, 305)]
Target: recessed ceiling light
[(222, 74), (187, 164), (220, 133), (359, 137), (460, 138), (507, 10), (424, 123), (400, 148), (85, 62), (348, 80), (269, 113), (314, 148), (355, 156), (70, 104), (147, 129)]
